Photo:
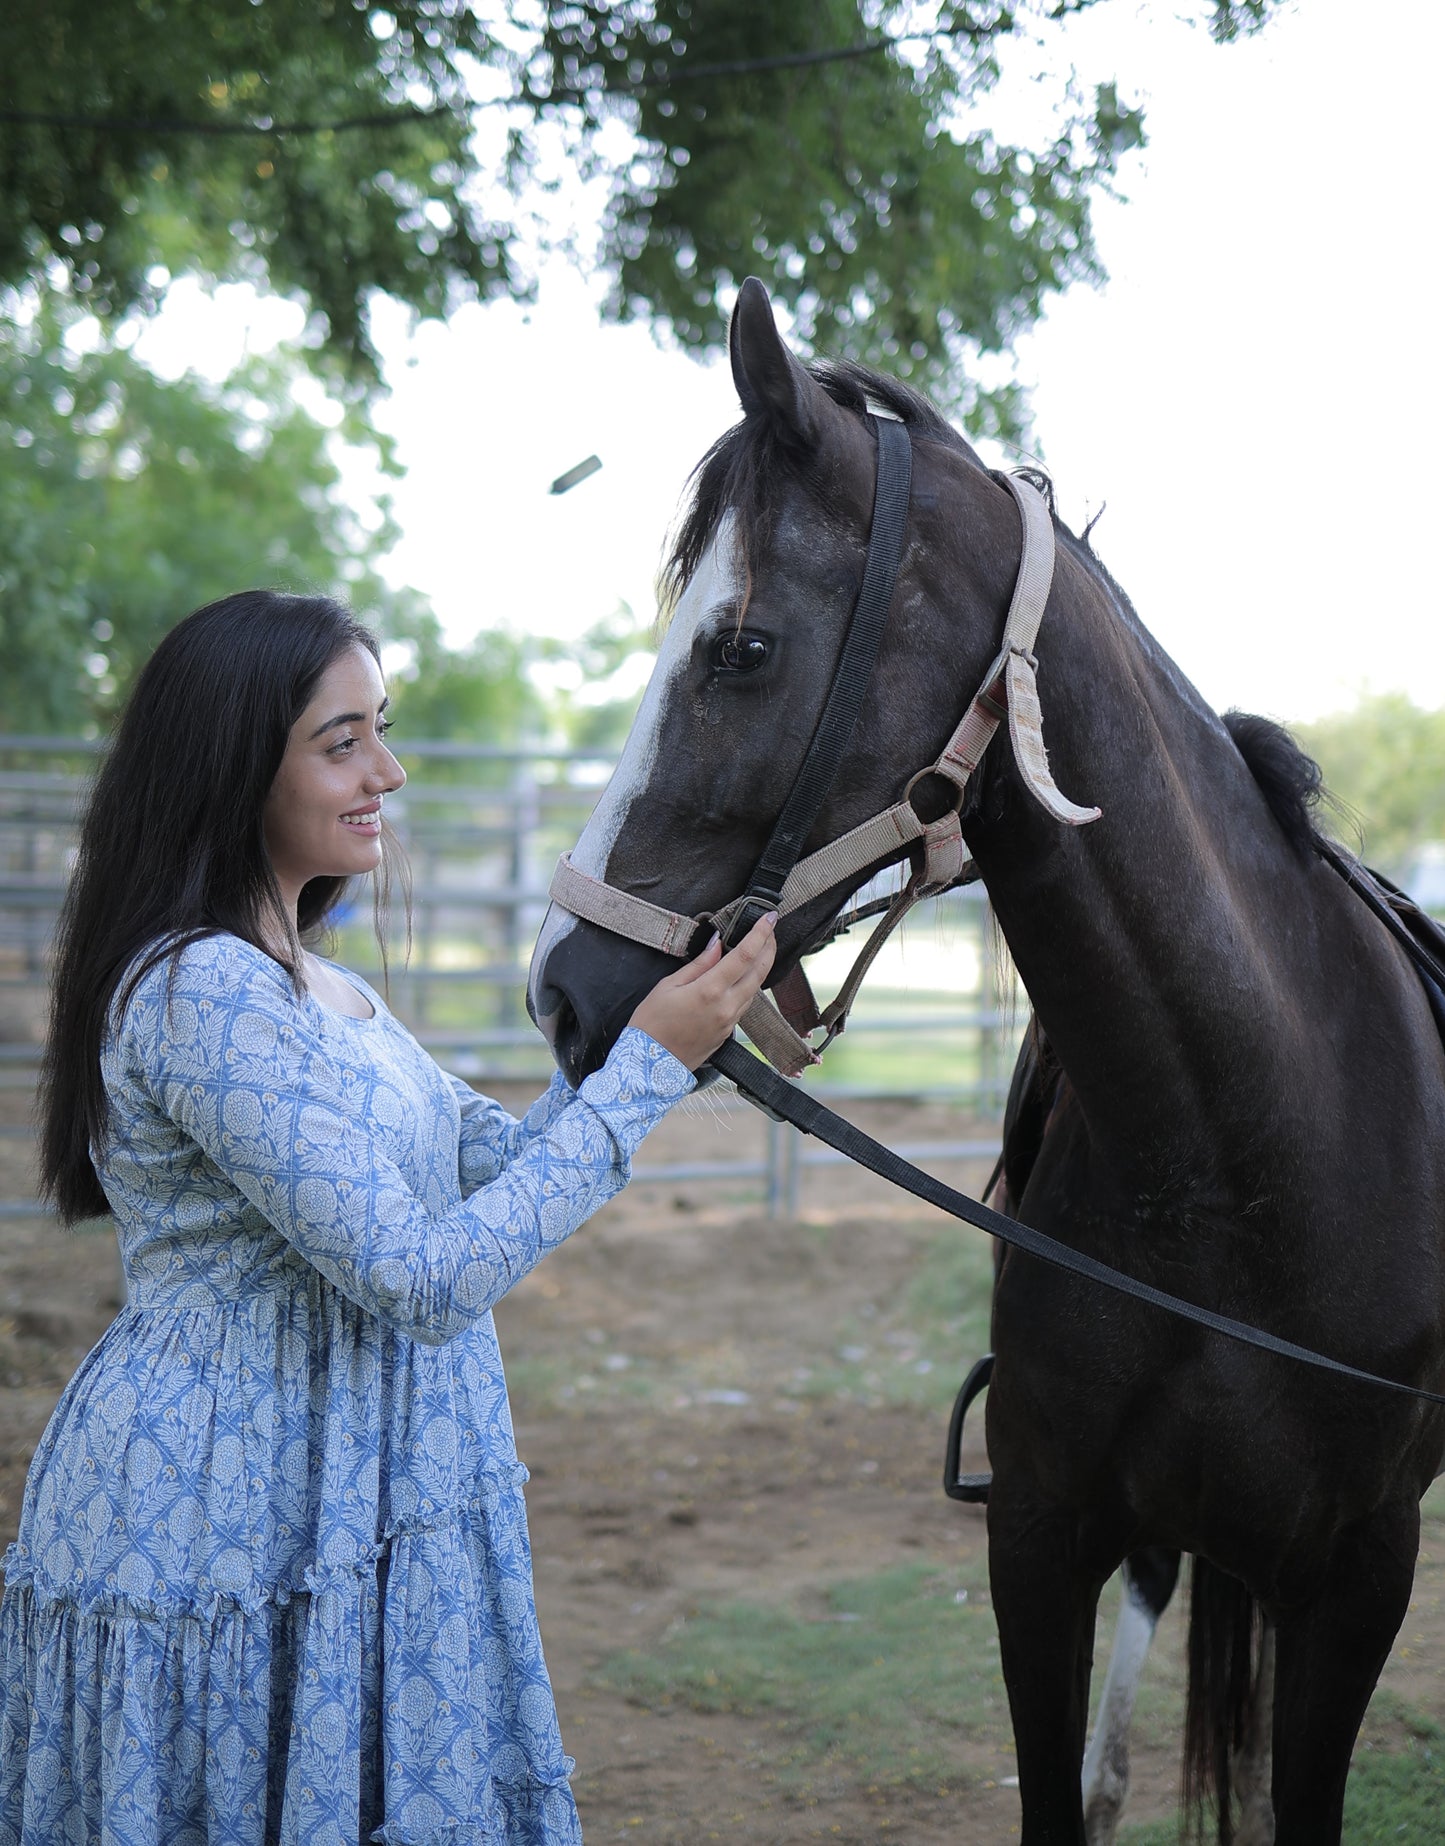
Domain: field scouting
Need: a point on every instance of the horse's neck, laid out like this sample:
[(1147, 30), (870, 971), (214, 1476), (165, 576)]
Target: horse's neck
[(1157, 944)]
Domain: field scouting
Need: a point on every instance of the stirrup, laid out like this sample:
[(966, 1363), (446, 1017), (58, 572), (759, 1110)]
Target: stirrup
[(972, 1488)]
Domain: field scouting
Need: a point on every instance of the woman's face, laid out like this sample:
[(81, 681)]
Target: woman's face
[(322, 817)]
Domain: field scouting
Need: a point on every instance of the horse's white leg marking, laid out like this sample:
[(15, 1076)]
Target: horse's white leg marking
[(1106, 1761), (715, 582), (1250, 1770)]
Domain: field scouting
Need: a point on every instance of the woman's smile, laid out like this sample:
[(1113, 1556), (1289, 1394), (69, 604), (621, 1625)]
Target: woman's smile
[(336, 753), (364, 820)]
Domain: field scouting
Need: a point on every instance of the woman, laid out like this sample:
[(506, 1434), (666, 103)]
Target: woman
[(272, 1581)]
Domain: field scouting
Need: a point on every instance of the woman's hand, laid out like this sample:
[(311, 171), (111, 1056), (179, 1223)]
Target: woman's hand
[(692, 1012)]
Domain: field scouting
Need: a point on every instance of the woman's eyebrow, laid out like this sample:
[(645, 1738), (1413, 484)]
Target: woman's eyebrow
[(346, 717)]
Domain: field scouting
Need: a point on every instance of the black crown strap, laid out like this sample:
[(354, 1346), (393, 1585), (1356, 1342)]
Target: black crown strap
[(850, 680)]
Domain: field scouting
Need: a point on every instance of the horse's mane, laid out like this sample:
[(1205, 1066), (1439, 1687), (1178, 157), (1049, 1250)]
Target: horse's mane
[(1290, 781), (740, 472)]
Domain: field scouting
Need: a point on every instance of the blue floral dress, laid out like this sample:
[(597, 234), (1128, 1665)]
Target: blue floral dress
[(273, 1581)]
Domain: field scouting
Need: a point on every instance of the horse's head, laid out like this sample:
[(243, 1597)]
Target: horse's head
[(766, 571)]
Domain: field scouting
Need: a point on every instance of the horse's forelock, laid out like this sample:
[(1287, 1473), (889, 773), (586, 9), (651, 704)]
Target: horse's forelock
[(743, 469)]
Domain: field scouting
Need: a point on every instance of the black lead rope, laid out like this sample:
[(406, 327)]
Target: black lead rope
[(792, 1104)]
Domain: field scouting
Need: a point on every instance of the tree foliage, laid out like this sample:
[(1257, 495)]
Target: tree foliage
[(1384, 762), (326, 148), (890, 235), (329, 149), (475, 694), (593, 685), (126, 501), (146, 136)]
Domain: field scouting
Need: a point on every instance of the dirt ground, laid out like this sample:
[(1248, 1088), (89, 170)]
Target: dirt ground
[(715, 1408)]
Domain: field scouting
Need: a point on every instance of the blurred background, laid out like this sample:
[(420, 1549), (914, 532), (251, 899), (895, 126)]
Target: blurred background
[(335, 294), (342, 295)]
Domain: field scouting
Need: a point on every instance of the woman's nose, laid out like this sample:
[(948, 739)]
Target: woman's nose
[(387, 772)]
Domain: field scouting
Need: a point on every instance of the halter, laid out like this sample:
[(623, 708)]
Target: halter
[(784, 880)]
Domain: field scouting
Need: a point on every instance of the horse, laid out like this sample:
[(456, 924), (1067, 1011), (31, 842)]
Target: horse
[(1149, 1577), (1254, 1109)]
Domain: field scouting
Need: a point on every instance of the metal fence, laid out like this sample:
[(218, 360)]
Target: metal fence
[(482, 827)]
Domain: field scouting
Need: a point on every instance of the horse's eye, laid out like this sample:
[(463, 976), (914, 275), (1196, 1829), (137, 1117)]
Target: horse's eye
[(743, 652)]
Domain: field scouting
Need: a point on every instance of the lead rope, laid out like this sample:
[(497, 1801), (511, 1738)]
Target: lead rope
[(787, 1103)]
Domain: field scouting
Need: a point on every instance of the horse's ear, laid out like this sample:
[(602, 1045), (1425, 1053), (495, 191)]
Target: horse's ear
[(770, 381)]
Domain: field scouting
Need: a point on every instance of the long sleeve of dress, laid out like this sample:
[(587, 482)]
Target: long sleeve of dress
[(241, 1067), (492, 1138)]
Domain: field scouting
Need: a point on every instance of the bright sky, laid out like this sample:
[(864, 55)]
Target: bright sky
[(1255, 393)]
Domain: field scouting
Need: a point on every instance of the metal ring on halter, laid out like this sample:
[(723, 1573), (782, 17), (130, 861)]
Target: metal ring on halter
[(937, 769)]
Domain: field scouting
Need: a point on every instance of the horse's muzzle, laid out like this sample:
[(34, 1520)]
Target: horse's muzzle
[(585, 984)]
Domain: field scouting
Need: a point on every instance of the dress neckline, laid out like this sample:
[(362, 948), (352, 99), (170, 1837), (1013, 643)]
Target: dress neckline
[(335, 1012)]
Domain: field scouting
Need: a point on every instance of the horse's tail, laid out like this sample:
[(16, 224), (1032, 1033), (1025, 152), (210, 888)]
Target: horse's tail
[(1225, 1628)]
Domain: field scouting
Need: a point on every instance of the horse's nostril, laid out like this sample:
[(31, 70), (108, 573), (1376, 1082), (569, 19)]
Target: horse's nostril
[(552, 1013), (543, 1002)]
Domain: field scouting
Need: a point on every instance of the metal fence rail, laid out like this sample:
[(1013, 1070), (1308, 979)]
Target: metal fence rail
[(482, 826)]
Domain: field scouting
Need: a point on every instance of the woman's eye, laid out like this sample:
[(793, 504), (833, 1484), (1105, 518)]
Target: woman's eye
[(743, 652)]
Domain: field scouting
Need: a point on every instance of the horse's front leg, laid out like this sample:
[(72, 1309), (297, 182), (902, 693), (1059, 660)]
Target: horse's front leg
[(1045, 1602), (1328, 1656)]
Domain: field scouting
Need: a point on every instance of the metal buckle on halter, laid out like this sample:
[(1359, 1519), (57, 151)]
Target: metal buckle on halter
[(754, 906)]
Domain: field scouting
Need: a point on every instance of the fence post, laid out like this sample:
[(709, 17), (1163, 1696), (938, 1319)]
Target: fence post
[(775, 1168)]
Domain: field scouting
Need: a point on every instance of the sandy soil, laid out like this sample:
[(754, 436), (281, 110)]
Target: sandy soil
[(705, 1422)]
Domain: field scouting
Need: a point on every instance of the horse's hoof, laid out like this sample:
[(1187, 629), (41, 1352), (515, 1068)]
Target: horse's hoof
[(971, 1488)]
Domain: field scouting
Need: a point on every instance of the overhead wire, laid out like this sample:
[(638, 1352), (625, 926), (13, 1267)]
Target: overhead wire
[(666, 79)]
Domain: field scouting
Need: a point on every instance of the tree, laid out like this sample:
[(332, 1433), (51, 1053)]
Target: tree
[(325, 147), (1384, 763), (480, 693), (126, 501), (595, 683)]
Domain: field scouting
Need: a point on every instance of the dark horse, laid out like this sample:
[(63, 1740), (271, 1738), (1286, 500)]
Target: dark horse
[(1253, 1111)]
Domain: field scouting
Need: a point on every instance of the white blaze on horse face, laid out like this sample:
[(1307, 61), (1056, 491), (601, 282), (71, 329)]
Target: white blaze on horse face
[(714, 584)]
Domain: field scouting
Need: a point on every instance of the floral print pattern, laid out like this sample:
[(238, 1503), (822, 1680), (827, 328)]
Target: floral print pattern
[(273, 1581)]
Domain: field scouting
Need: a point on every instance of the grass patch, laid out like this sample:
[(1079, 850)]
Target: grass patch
[(915, 1348), (1395, 1790), (1395, 1795), (887, 1678), (942, 1057)]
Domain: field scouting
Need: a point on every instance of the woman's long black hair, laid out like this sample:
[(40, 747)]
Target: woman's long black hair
[(171, 846)]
